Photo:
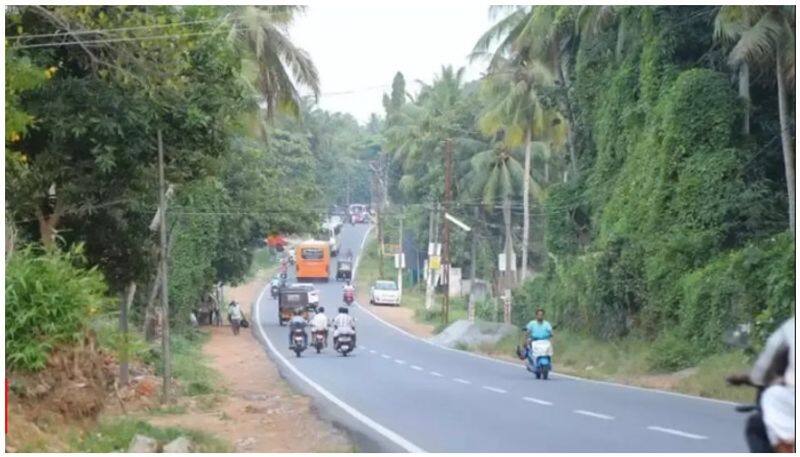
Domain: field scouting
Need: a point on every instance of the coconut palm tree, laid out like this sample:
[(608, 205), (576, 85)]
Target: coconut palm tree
[(541, 32), (260, 33), (512, 95), (496, 176), (730, 23), (769, 42)]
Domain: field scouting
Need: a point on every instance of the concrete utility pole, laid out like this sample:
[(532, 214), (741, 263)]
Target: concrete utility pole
[(162, 203), (432, 241), (123, 328), (400, 258), (472, 267), (448, 176)]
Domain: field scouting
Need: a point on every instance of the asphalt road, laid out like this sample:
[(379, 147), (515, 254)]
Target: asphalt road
[(411, 395)]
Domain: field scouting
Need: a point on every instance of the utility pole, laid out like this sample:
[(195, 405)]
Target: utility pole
[(448, 176), (508, 251), (123, 328), (432, 241), (400, 258), (162, 203), (378, 199), (472, 267)]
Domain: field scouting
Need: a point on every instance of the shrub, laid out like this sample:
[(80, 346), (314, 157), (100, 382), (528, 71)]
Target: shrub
[(50, 297)]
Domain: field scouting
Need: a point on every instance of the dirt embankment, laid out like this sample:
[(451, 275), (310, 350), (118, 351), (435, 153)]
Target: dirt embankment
[(259, 411)]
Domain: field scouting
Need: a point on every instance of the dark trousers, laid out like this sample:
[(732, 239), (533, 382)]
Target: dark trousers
[(756, 434), (235, 323)]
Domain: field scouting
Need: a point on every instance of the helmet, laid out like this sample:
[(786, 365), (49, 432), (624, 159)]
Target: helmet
[(343, 309), (321, 309)]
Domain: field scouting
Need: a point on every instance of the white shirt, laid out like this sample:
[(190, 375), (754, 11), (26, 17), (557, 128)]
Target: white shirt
[(319, 322), (235, 312), (781, 340), (344, 322)]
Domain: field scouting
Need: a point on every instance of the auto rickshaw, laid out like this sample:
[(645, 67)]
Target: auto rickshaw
[(344, 270), (290, 299)]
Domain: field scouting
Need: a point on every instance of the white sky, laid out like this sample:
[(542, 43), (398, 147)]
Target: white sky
[(357, 48)]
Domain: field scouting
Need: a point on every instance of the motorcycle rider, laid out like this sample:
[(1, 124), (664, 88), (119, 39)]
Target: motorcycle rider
[(344, 324), (774, 427), (349, 254), (319, 323), (297, 322), (348, 288)]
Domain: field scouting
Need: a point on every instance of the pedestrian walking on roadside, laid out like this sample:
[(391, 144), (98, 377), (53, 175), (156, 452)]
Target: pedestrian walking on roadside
[(235, 315)]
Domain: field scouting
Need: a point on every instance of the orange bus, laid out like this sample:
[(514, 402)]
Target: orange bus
[(312, 260)]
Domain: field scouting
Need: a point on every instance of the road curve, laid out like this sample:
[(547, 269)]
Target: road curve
[(401, 393)]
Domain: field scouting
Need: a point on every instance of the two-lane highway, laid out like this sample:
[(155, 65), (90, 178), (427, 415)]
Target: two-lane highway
[(418, 396)]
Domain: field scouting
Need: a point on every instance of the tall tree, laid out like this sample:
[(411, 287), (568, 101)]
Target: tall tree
[(262, 32), (513, 96), (770, 42)]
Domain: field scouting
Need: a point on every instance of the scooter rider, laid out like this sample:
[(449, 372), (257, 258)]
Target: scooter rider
[(774, 370), (320, 323), (536, 330), (348, 288), (344, 324), (297, 322)]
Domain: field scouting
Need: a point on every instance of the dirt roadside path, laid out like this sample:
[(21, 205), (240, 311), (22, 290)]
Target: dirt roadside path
[(259, 412)]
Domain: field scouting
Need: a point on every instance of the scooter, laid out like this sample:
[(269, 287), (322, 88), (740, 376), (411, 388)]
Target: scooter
[(298, 341), (344, 344), (755, 409), (318, 340), (348, 296), (538, 358)]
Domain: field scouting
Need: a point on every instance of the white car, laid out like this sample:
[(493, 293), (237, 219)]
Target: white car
[(384, 293), (313, 293)]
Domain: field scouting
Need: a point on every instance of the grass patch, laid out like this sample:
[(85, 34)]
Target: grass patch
[(115, 436), (190, 366)]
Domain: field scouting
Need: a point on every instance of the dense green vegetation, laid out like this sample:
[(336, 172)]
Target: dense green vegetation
[(656, 193), (245, 157)]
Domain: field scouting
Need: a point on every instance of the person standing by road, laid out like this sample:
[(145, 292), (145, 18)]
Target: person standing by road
[(235, 314)]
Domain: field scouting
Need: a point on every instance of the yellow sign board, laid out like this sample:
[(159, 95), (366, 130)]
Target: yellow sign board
[(434, 262)]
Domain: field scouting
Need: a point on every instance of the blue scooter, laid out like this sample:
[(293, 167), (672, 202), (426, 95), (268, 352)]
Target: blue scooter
[(539, 358)]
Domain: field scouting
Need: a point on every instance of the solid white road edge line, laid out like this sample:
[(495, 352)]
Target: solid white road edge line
[(388, 434), (505, 362), (536, 400), (677, 432), (494, 389), (591, 414)]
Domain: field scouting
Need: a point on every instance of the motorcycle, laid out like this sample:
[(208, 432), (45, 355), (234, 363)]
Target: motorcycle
[(274, 290), (318, 338), (755, 409), (348, 297), (344, 344), (298, 341), (539, 358)]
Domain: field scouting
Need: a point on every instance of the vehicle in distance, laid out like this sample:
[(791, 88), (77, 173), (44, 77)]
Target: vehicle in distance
[(358, 213), (384, 293), (329, 232), (313, 293)]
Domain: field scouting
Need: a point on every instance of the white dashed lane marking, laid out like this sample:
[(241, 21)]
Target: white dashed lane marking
[(373, 351), (438, 375), (596, 415), (494, 389), (537, 401), (414, 367), (386, 356), (400, 362), (677, 432), (462, 381)]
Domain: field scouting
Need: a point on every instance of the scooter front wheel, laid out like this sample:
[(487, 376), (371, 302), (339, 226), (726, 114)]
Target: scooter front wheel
[(545, 371)]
